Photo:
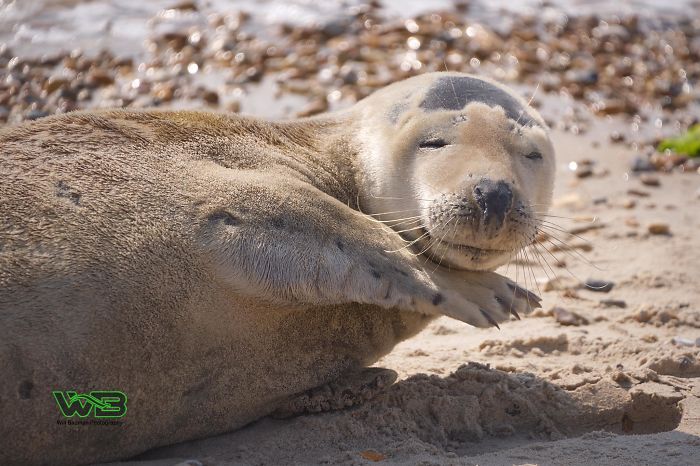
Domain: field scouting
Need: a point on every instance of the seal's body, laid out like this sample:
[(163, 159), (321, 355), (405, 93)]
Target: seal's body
[(211, 267)]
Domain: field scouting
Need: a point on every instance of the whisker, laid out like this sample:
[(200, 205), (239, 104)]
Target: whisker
[(379, 214), (540, 258), (405, 222), (568, 253), (563, 246), (427, 233), (435, 241), (532, 272), (546, 224), (454, 229), (398, 198), (454, 233), (411, 229), (534, 93), (413, 217), (544, 214), (568, 270)]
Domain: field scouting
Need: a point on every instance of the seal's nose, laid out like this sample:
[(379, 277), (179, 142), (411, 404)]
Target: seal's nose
[(495, 199)]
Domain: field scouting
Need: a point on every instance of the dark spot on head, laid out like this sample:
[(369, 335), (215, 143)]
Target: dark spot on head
[(25, 389), (396, 111), (65, 191), (340, 245), (375, 273), (224, 217), (438, 298), (454, 92)]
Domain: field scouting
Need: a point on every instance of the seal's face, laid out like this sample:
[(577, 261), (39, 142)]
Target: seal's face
[(463, 169)]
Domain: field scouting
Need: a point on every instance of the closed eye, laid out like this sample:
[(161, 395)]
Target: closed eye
[(534, 155), (432, 143)]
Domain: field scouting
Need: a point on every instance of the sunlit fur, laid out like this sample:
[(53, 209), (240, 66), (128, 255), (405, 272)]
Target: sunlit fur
[(213, 266), (425, 193)]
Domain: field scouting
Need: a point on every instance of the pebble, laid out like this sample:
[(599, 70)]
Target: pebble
[(637, 192), (621, 378), (234, 106), (211, 97), (642, 164), (36, 114), (632, 222), (600, 286), (560, 284), (617, 137), (680, 341), (613, 303), (583, 171), (319, 105), (659, 229), (649, 179), (566, 317), (594, 225)]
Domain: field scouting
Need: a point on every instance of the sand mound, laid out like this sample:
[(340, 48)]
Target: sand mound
[(471, 410)]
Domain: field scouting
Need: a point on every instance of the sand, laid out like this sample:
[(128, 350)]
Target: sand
[(578, 382)]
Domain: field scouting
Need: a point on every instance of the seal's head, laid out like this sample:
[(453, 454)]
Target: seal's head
[(461, 166)]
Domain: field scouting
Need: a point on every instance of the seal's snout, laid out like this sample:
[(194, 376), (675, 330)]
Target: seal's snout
[(495, 201)]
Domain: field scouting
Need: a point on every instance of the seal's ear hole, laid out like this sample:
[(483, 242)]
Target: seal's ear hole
[(432, 143)]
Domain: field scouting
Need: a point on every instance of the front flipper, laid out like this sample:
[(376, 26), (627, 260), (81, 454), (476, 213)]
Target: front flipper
[(296, 245)]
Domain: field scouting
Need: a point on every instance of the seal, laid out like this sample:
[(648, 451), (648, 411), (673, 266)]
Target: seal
[(216, 269)]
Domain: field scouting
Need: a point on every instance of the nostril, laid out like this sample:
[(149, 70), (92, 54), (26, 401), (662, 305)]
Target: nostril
[(495, 199)]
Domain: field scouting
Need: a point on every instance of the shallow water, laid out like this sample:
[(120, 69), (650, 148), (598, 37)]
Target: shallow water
[(35, 27)]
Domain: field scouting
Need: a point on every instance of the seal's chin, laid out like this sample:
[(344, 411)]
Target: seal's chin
[(458, 255), (464, 256)]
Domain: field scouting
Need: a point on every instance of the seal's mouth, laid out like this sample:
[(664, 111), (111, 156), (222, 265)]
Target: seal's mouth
[(431, 242), (474, 250)]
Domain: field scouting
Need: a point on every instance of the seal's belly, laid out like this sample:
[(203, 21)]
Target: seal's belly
[(270, 352)]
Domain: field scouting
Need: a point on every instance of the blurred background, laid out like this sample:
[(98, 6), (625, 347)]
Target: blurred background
[(638, 61)]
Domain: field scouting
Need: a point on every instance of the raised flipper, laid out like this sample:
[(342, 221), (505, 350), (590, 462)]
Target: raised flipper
[(286, 241)]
